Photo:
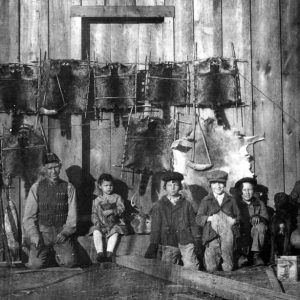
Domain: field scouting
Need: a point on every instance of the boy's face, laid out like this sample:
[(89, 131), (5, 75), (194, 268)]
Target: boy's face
[(217, 188), (53, 170), (172, 187), (247, 191), (106, 187)]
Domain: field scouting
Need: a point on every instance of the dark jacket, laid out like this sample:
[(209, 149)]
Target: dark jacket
[(173, 224), (210, 206), (256, 208)]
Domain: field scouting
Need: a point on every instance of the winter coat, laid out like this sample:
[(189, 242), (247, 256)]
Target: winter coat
[(173, 224), (256, 208), (210, 206)]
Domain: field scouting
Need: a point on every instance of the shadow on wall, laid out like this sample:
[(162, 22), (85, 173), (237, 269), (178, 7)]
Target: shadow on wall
[(84, 184)]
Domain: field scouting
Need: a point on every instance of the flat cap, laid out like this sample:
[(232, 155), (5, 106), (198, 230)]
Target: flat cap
[(169, 176), (50, 157), (217, 176), (251, 180)]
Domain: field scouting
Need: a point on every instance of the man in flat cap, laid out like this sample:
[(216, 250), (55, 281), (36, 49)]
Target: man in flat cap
[(50, 218), (173, 225), (253, 223), (217, 214)]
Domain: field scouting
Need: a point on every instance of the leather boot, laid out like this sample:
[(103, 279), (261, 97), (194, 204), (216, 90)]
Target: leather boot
[(101, 257), (109, 256)]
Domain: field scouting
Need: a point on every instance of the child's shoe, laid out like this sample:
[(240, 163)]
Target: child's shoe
[(109, 256), (100, 257)]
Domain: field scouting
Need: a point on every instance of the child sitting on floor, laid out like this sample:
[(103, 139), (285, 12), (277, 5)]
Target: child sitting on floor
[(106, 212)]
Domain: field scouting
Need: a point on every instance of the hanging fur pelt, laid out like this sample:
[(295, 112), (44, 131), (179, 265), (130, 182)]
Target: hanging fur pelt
[(167, 85), (114, 80), (65, 85), (149, 145), (18, 88), (22, 155), (215, 83)]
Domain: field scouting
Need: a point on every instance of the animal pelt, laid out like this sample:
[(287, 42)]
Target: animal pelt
[(65, 85), (141, 223), (281, 225), (215, 82), (18, 88), (22, 155), (149, 142), (167, 84), (227, 150), (114, 80)]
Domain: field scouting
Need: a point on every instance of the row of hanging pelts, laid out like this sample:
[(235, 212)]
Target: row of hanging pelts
[(73, 85)]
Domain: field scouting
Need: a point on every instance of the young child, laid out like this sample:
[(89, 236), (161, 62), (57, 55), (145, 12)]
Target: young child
[(106, 212), (173, 225)]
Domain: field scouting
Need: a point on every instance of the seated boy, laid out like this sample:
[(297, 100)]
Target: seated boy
[(173, 225)]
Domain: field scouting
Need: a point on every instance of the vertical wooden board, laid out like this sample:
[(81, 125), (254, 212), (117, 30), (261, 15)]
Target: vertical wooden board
[(290, 43), (184, 30), (168, 36), (59, 28), (236, 30), (75, 49), (69, 151), (124, 46), (208, 28), (4, 27), (100, 42), (100, 138), (150, 36), (99, 37), (33, 30), (266, 74)]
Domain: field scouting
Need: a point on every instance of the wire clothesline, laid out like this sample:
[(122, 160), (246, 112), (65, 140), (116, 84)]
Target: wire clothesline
[(270, 99)]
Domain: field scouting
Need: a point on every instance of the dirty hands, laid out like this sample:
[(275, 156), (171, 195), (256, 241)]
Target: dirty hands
[(108, 212), (60, 238), (255, 220)]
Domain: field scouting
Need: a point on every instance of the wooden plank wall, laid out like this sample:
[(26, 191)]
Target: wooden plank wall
[(264, 33)]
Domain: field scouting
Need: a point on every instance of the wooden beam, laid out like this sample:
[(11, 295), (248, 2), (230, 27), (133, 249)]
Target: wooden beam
[(205, 282), (158, 11), (273, 280)]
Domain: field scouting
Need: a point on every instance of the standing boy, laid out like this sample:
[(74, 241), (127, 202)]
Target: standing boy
[(217, 214), (50, 218), (173, 225)]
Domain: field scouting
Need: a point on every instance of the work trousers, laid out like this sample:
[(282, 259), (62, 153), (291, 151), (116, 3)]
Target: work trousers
[(221, 247), (51, 254), (258, 234), (186, 253)]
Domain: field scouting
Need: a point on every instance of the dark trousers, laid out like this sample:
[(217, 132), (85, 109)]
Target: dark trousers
[(52, 254)]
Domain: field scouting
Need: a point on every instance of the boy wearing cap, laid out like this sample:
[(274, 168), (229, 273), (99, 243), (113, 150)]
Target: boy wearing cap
[(254, 221), (173, 225), (217, 214), (50, 218)]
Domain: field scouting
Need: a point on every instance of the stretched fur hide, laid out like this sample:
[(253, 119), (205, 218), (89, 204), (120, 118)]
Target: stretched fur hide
[(114, 80), (215, 83), (228, 151), (149, 142), (163, 91), (21, 158), (18, 88), (73, 77)]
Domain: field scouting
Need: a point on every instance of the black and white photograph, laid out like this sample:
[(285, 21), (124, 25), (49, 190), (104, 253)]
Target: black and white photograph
[(150, 149)]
